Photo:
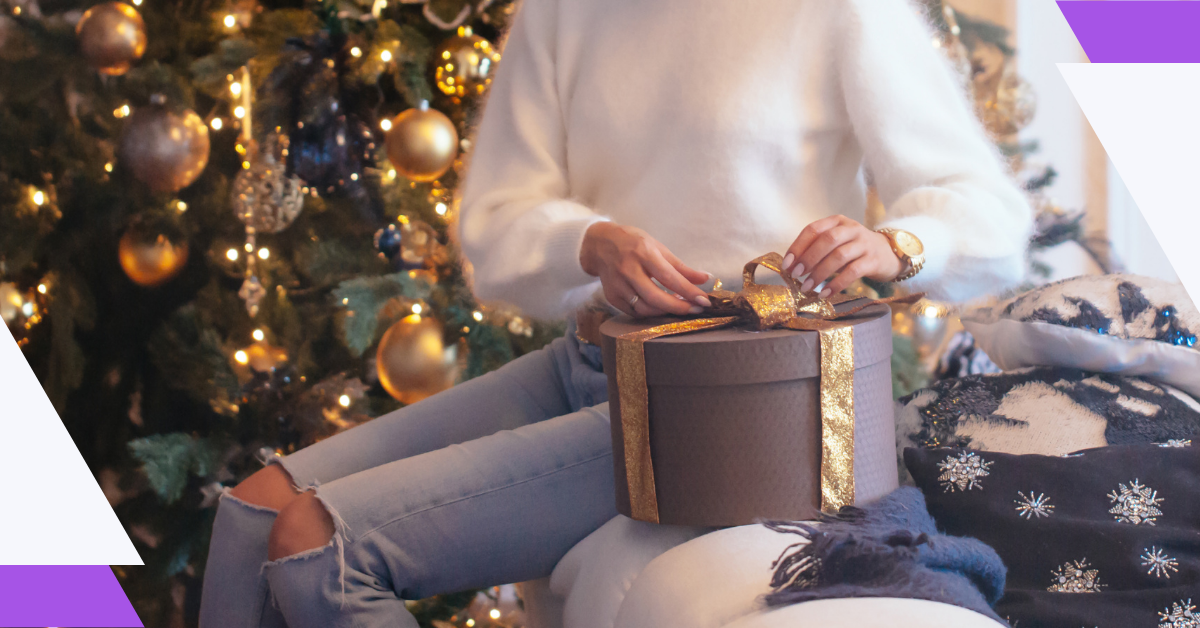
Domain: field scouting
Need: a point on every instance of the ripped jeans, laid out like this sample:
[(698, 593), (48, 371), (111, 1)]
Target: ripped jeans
[(487, 483)]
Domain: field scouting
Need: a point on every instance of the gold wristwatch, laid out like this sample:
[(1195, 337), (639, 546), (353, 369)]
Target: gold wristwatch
[(908, 248)]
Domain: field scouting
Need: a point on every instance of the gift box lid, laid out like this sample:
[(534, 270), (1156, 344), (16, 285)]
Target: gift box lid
[(733, 356)]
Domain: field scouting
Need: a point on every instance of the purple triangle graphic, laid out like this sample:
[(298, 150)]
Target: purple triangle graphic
[(64, 595), (1135, 31)]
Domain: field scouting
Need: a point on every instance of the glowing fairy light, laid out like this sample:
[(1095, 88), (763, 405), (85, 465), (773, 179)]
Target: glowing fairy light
[(258, 335), (232, 255)]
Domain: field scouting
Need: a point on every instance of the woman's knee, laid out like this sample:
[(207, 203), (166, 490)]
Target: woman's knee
[(269, 487), (302, 525)]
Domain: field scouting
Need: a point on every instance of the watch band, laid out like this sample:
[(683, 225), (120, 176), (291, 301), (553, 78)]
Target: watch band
[(913, 264)]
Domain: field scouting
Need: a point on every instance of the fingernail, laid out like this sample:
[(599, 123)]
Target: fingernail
[(703, 301), (798, 271), (807, 285), (788, 259), (695, 309), (826, 292)]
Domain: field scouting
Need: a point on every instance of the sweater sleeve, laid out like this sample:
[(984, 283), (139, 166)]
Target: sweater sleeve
[(517, 225), (937, 174)]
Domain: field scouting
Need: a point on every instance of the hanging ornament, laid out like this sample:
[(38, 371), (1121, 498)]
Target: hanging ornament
[(948, 39), (408, 244), (150, 255), (20, 310), (422, 143), (1006, 104), (260, 357), (111, 37), (264, 197), (330, 144), (240, 14), (413, 362), (465, 63), (252, 292), (388, 242), (165, 150), (11, 302)]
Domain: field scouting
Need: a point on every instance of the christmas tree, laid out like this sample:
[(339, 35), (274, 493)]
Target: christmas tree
[(225, 235)]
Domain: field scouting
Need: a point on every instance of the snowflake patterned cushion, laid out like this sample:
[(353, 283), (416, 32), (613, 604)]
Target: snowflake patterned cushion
[(1107, 323), (1044, 410), (1106, 537)]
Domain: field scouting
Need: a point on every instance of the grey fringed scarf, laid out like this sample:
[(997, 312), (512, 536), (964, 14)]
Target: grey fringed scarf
[(890, 548)]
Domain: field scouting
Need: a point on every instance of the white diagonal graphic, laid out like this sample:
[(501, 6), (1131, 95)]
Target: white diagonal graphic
[(1146, 117), (53, 512)]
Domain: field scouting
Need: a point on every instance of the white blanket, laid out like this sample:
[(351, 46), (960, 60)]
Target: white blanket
[(630, 574)]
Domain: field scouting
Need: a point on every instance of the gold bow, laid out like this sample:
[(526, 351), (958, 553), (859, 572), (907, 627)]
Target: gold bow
[(760, 307)]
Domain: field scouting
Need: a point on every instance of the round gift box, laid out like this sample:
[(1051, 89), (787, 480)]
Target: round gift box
[(735, 421)]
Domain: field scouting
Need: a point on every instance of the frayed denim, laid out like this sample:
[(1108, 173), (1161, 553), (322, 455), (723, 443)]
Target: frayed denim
[(490, 482)]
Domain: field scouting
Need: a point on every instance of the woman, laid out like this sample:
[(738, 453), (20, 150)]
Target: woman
[(626, 142)]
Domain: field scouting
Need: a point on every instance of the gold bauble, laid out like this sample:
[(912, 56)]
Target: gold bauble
[(111, 37), (260, 357), (151, 258), (422, 143), (20, 310), (465, 64), (413, 362), (1009, 105), (11, 302), (165, 150)]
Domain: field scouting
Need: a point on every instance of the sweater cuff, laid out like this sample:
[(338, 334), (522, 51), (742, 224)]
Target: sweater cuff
[(563, 243), (937, 239)]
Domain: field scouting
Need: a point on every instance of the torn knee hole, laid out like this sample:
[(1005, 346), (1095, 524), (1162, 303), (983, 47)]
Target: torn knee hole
[(304, 524)]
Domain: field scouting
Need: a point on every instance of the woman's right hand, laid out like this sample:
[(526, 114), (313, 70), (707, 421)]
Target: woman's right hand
[(627, 260)]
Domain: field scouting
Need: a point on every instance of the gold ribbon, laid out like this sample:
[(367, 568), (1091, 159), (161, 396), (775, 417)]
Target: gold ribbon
[(759, 307)]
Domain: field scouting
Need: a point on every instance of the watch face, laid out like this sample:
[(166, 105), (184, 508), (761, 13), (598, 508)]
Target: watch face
[(909, 244)]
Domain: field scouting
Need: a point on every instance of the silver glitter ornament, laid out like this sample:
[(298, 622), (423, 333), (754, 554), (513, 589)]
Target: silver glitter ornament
[(264, 197), (252, 292)]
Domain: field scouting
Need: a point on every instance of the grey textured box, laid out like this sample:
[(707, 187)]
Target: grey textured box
[(735, 425)]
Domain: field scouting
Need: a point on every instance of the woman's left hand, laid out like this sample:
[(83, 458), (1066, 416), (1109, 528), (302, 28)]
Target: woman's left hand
[(838, 244)]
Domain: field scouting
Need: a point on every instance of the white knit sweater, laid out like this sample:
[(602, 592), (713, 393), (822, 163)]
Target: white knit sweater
[(722, 128)]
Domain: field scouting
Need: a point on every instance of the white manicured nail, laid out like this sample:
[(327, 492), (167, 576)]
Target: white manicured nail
[(807, 285), (787, 260), (797, 271), (695, 309), (703, 301), (825, 293)]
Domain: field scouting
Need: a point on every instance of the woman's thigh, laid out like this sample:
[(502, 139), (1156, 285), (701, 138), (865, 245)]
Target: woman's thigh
[(501, 508), (529, 389)]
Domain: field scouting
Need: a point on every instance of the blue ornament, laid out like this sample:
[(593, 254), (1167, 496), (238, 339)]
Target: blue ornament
[(387, 242)]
